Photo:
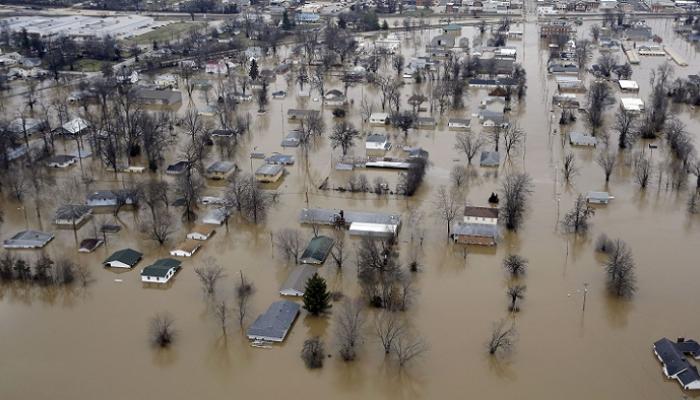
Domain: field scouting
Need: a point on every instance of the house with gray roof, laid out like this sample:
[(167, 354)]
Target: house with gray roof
[(29, 239), (474, 233), (490, 159), (581, 139), (275, 323), (296, 281), (317, 251), (675, 364), (292, 139), (297, 114), (598, 197), (220, 169), (269, 173), (125, 258), (72, 214), (159, 97), (161, 271), (281, 159), (61, 161)]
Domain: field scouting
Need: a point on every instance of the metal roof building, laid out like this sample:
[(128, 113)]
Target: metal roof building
[(322, 216), (275, 323), (28, 240)]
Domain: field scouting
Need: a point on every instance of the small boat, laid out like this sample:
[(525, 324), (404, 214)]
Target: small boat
[(261, 344)]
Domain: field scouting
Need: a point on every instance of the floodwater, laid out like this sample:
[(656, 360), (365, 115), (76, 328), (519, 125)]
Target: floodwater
[(93, 343)]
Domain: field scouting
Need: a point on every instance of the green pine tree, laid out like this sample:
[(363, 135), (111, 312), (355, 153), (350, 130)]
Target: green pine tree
[(385, 26), (253, 69), (286, 23), (316, 295)]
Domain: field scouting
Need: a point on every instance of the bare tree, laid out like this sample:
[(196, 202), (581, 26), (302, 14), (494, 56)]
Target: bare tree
[(643, 169), (513, 137), (290, 244), (343, 135), (607, 161), (469, 144), (502, 338), (459, 176), (159, 225), (606, 64), (515, 293), (620, 270), (243, 290), (349, 321), (515, 189), (407, 348), (693, 205), (222, 312), (188, 188), (338, 250), (209, 274), (154, 194), (603, 244), (389, 327), (313, 353), (254, 201), (515, 265), (576, 220), (595, 32), (447, 206), (162, 330), (624, 125), (570, 169)]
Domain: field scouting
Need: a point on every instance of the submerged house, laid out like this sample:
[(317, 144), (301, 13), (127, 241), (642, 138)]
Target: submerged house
[(581, 139), (358, 222), (186, 248), (377, 142), (481, 215), (296, 281), (201, 232), (459, 124), (61, 161), (481, 234), (28, 240), (598, 197), (220, 169), (72, 214), (89, 245), (110, 198), (379, 119), (269, 173), (275, 323), (125, 258), (296, 114), (675, 365), (161, 271), (292, 139), (489, 159), (216, 216), (317, 251)]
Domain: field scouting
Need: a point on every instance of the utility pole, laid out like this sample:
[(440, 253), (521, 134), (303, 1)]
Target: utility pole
[(585, 292)]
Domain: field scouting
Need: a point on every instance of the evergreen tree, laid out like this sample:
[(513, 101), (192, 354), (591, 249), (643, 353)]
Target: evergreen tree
[(286, 23), (253, 69), (385, 26), (316, 295)]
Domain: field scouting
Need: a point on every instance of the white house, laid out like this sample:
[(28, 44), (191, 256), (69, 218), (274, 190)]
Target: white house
[(161, 271), (632, 104), (459, 124), (216, 67), (581, 139), (186, 248), (377, 142), (379, 119), (481, 215), (598, 197), (216, 216), (201, 232), (166, 81), (628, 85), (125, 258)]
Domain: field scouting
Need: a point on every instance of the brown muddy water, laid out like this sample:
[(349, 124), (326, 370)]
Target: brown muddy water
[(93, 343)]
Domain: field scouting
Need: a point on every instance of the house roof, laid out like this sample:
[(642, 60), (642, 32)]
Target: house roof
[(72, 211), (126, 256), (188, 246), (60, 159), (462, 121), (581, 139), (317, 251), (202, 229), (90, 244), (472, 229), (296, 281), (76, 125), (481, 212), (490, 159), (282, 159), (156, 270), (165, 96), (275, 322), (376, 138), (221, 167), (328, 217), (269, 169), (29, 238), (168, 262)]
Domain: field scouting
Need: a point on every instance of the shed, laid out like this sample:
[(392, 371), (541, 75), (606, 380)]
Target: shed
[(275, 323), (186, 248), (201, 232), (269, 173), (628, 85), (373, 229), (317, 251), (161, 271), (125, 258), (29, 239), (296, 281)]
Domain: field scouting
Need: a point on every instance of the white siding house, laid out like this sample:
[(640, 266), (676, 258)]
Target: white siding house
[(379, 119)]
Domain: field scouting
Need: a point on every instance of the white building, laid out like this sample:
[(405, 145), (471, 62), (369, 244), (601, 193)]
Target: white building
[(481, 215), (161, 271), (379, 119), (632, 104), (201, 232)]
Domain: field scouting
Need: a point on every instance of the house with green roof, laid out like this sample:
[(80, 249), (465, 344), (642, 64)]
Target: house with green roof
[(125, 258), (161, 271), (317, 251)]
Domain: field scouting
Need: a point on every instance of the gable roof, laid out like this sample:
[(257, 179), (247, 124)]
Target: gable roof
[(126, 256), (481, 212), (296, 281), (275, 322), (317, 251)]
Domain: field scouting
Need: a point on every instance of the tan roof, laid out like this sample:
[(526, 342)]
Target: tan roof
[(481, 212), (205, 230), (475, 240), (188, 245)]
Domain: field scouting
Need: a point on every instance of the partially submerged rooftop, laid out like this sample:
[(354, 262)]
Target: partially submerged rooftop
[(322, 216), (29, 239), (274, 324)]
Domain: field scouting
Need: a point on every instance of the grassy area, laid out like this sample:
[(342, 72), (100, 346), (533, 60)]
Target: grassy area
[(164, 34), (90, 65)]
